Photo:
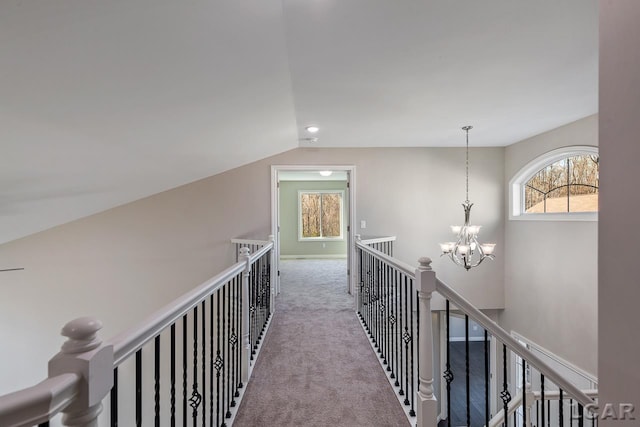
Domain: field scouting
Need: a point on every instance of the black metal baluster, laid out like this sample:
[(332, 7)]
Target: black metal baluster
[(412, 411), (561, 409), (389, 314), (228, 354), (542, 402), (239, 345), (218, 363), (487, 414), (580, 415), (234, 342), (524, 393), (204, 364), (139, 388), (173, 375), (396, 335), (400, 319), (210, 360), (406, 336), (44, 424), (548, 412), (505, 395), (184, 370), (374, 303), (114, 399), (448, 375), (384, 306), (466, 368), (196, 397), (156, 377)]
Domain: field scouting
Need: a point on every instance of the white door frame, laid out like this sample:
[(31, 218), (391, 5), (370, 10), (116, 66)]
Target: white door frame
[(351, 200)]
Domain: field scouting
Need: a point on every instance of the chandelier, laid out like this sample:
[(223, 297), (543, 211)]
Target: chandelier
[(466, 251)]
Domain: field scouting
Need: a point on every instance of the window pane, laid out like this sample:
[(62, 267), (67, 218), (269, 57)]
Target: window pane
[(567, 185), (557, 200), (331, 226), (310, 211)]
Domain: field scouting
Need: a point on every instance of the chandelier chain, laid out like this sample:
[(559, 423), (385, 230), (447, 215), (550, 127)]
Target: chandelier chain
[(467, 163)]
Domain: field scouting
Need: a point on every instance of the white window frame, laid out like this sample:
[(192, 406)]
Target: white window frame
[(516, 186), (318, 239)]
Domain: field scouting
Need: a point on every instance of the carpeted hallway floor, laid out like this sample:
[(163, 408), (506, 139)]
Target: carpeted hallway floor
[(316, 367)]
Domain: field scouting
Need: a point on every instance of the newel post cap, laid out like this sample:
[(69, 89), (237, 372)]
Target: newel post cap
[(82, 335), (244, 251), (425, 263)]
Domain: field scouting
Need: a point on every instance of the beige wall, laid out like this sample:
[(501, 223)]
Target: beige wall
[(289, 243), (551, 266), (124, 263), (619, 289)]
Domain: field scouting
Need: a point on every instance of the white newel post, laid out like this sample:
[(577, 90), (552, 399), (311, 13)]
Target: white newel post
[(246, 345), (427, 404), (84, 354), (273, 276)]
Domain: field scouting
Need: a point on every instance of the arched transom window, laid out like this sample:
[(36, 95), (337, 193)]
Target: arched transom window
[(564, 181)]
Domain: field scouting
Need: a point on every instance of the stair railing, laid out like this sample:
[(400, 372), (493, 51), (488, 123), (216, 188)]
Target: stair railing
[(205, 342), (385, 305)]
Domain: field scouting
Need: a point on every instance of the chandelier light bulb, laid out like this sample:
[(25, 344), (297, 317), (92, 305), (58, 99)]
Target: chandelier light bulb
[(312, 129)]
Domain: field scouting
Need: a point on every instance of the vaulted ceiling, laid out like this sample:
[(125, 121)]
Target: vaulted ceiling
[(105, 102)]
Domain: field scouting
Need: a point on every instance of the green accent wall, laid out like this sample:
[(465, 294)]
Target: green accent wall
[(289, 244)]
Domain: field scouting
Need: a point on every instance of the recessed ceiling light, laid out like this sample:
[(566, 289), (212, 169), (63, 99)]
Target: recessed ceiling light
[(326, 173), (312, 129)]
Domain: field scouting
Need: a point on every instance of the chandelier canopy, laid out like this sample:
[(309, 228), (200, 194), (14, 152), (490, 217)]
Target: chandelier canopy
[(466, 251)]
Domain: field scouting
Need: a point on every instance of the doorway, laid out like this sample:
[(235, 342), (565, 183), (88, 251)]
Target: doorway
[(301, 228)]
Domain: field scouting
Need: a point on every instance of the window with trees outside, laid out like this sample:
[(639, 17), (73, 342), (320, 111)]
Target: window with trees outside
[(320, 214), (564, 181)]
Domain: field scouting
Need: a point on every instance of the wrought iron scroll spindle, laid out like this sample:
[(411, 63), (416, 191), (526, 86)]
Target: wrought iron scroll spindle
[(400, 336), (227, 345), (396, 335), (406, 336), (184, 370), (211, 326), (218, 364), (196, 397), (412, 411), (505, 395), (448, 375), (203, 398)]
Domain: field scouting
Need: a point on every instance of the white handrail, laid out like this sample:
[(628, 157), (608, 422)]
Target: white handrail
[(382, 239), (129, 341), (249, 241), (38, 403), (402, 266), (513, 344)]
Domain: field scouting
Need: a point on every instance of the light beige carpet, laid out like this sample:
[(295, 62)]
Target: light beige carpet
[(316, 367)]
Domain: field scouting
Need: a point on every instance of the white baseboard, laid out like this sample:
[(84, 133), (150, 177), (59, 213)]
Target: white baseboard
[(324, 256)]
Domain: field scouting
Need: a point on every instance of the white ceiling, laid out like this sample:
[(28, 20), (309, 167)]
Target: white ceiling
[(105, 102)]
